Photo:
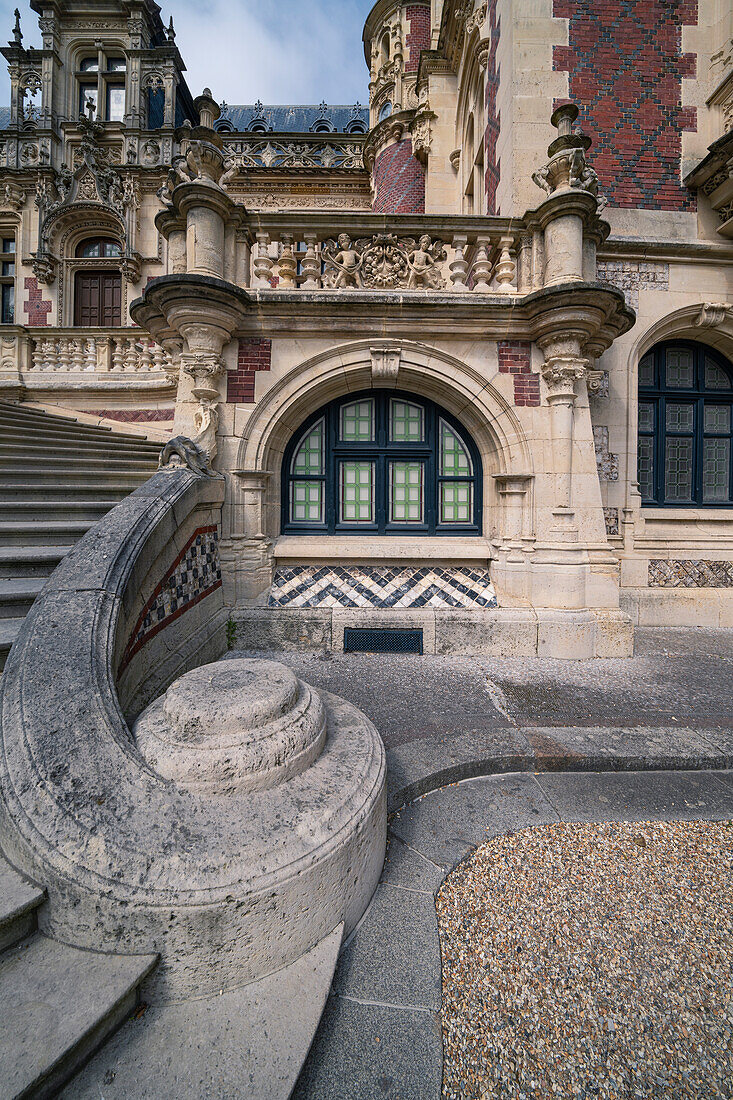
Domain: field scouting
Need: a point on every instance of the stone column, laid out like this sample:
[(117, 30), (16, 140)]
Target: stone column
[(562, 369)]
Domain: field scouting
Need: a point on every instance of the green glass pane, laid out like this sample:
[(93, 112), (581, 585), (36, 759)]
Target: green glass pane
[(456, 501), (679, 417), (306, 502), (405, 422), (680, 368), (357, 422), (646, 371), (646, 467), (309, 455), (356, 491), (717, 418), (406, 492), (715, 376), (716, 470), (454, 460), (646, 416), (678, 469)]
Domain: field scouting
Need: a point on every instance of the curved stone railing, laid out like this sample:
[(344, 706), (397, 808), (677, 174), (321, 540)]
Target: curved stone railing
[(225, 886)]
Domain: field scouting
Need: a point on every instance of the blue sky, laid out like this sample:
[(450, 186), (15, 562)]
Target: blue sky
[(280, 51)]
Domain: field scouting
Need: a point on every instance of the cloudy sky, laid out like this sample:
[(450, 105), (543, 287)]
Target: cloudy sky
[(280, 51)]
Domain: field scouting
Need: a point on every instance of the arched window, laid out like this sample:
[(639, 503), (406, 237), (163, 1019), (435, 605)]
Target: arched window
[(382, 462), (385, 111), (356, 127), (98, 246), (685, 432)]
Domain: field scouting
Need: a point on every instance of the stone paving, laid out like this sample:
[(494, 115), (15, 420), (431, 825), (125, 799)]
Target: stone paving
[(644, 740)]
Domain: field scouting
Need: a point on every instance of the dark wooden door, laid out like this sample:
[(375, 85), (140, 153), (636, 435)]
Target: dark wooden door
[(97, 299)]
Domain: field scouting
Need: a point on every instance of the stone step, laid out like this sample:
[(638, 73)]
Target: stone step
[(37, 419), (60, 449), (82, 489), (8, 633), (42, 533), (17, 595), (56, 509), (61, 1005), (63, 443), (19, 900), (45, 473), (30, 561), (38, 460), (11, 427)]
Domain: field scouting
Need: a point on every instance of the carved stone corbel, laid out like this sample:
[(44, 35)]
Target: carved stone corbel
[(385, 364), (713, 314)]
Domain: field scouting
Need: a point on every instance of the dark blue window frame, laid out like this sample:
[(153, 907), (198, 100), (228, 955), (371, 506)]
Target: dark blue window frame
[(381, 451), (658, 394)]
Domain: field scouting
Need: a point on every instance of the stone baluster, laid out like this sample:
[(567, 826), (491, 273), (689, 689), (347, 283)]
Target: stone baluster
[(263, 263), (146, 356), (37, 356), (64, 355), (287, 267), (132, 361), (90, 355), (311, 266), (482, 265), (458, 266), (160, 359), (77, 356), (49, 354), (117, 354), (506, 269)]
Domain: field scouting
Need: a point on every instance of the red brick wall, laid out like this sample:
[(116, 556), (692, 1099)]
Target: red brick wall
[(253, 355), (626, 66), (515, 357), (493, 120), (418, 37), (399, 181), (35, 306)]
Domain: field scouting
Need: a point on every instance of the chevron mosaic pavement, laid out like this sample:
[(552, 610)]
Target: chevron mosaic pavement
[(381, 586), (690, 574)]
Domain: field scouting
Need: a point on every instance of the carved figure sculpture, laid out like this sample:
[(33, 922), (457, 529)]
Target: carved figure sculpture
[(348, 263), (422, 265)]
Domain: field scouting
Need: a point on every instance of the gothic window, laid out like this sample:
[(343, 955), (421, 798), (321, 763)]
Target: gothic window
[(685, 451), (385, 111), (382, 462), (7, 280), (101, 82)]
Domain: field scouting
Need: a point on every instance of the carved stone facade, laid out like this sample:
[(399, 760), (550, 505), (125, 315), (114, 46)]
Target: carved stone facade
[(439, 260)]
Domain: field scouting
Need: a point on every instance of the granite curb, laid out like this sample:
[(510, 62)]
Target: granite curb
[(419, 767)]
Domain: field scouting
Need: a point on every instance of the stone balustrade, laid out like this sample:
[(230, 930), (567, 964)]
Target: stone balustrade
[(368, 252), (315, 150), (80, 351)]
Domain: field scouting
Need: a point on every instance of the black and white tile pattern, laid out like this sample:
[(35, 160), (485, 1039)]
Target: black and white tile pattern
[(381, 586)]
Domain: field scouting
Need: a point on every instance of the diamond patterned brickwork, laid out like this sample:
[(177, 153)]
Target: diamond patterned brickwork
[(381, 586), (631, 276), (135, 416), (625, 64), (493, 120), (515, 358), (399, 181), (252, 356), (418, 37), (35, 305), (196, 573), (690, 574)]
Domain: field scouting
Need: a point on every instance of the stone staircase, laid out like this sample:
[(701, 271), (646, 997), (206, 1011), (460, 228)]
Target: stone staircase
[(57, 478), (61, 1003)]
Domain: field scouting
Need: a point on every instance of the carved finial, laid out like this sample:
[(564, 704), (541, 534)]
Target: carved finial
[(171, 34), (90, 107), (17, 33)]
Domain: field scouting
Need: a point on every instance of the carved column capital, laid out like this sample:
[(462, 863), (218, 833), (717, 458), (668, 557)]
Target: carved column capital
[(560, 373)]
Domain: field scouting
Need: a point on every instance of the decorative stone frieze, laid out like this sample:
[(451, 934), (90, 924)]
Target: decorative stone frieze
[(384, 261), (631, 276)]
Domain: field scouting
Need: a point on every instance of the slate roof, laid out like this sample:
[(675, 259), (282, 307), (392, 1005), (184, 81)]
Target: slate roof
[(4, 118), (288, 119)]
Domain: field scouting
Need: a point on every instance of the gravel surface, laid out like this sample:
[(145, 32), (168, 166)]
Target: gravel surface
[(590, 961)]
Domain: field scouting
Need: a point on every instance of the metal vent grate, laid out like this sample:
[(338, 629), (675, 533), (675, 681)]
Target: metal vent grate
[(360, 640)]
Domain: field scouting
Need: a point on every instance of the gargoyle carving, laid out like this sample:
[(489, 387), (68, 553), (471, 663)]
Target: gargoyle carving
[(182, 452)]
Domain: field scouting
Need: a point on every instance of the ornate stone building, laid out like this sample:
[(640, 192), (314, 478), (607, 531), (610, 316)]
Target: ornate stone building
[(464, 356)]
